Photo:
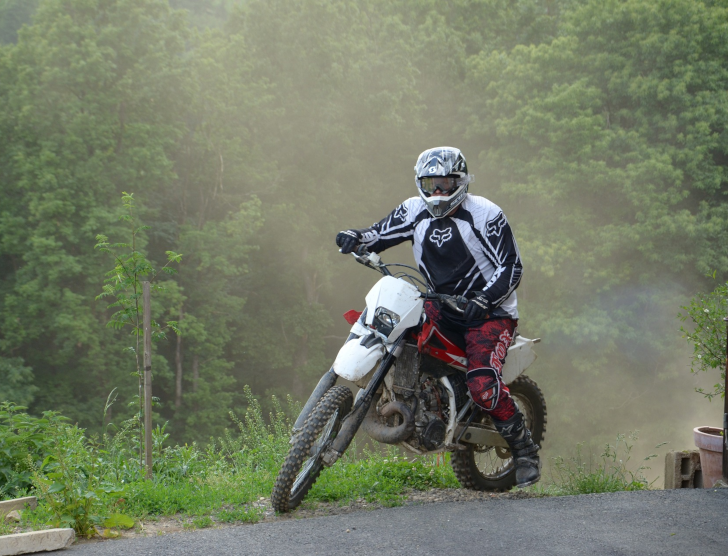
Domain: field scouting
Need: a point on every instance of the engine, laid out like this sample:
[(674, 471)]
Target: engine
[(425, 396)]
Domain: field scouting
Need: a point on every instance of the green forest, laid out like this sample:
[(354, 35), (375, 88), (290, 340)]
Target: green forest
[(251, 131)]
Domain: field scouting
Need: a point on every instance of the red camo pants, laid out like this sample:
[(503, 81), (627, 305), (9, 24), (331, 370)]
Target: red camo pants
[(486, 347)]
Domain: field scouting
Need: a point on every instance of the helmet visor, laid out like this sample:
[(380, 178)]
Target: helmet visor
[(445, 185)]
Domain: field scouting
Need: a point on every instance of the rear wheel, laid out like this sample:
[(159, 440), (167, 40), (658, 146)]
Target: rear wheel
[(491, 467), (304, 462)]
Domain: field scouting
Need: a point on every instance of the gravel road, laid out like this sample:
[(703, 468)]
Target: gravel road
[(680, 522)]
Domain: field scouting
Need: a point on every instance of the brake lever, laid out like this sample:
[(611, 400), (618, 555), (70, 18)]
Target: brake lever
[(456, 303), (362, 256)]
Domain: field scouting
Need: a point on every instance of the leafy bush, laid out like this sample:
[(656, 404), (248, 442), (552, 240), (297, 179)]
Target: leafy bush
[(25, 442), (70, 481), (706, 312)]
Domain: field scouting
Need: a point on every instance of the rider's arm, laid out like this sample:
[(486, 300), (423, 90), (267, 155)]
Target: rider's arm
[(501, 249), (396, 228)]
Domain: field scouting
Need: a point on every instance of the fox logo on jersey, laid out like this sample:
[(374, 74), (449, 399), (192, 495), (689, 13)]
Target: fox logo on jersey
[(495, 226), (401, 212), (441, 236)]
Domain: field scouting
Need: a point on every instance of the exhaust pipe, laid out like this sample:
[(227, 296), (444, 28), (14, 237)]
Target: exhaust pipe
[(383, 433)]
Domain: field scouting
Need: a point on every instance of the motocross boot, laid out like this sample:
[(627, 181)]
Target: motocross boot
[(523, 449)]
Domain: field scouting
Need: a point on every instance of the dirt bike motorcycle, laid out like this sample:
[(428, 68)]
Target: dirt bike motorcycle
[(413, 392)]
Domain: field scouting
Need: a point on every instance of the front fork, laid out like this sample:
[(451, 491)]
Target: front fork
[(354, 419)]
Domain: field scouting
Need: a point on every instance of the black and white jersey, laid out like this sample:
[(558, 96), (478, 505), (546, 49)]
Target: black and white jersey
[(470, 252)]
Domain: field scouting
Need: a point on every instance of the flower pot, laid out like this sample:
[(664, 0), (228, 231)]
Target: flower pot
[(709, 441)]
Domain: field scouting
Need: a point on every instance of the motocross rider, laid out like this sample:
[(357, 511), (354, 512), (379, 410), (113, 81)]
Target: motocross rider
[(464, 246)]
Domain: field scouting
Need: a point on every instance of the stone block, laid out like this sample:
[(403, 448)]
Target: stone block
[(682, 470), (18, 504), (13, 516), (36, 541)]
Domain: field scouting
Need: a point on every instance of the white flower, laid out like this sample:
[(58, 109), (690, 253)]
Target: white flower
[(706, 311)]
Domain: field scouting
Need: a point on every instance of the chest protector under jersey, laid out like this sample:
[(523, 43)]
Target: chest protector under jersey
[(470, 252)]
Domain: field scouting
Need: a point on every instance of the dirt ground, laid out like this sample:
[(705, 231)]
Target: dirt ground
[(174, 524)]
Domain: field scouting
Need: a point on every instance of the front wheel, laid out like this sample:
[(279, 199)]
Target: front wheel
[(304, 462), (490, 467)]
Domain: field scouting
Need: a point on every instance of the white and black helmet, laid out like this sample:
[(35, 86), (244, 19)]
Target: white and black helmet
[(442, 178)]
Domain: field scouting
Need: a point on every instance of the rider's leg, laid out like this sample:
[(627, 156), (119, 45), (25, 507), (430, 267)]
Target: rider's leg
[(487, 347)]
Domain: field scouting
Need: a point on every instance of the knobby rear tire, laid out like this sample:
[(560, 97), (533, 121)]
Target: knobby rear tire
[(303, 464), (487, 468)]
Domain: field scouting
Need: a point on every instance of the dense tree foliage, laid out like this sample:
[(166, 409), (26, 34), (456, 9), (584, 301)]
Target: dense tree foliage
[(611, 141), (252, 131)]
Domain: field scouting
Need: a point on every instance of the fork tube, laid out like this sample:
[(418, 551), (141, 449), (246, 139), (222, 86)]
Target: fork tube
[(323, 386)]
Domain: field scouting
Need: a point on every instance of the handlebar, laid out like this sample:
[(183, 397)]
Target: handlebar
[(372, 260)]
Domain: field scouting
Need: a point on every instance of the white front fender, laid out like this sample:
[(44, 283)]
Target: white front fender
[(354, 360)]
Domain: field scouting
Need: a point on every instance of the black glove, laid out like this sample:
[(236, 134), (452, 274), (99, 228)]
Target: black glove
[(348, 240), (477, 308)]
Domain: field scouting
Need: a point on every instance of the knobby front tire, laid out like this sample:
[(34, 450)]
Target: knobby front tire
[(491, 468), (304, 463)]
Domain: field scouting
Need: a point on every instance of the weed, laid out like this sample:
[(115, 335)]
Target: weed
[(69, 482), (243, 514), (575, 475), (202, 522), (6, 528)]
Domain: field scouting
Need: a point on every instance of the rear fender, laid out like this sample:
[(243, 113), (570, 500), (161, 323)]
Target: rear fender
[(520, 356)]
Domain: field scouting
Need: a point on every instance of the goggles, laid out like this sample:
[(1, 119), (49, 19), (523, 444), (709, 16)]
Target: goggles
[(445, 185)]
